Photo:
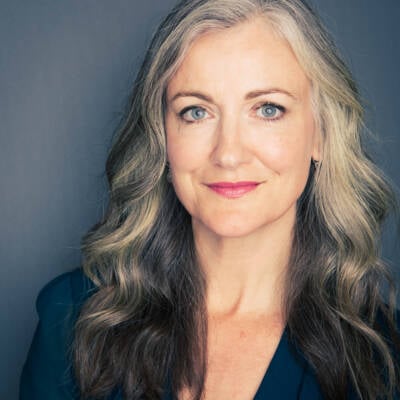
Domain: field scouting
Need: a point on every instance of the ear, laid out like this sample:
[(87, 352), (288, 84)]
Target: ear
[(317, 146)]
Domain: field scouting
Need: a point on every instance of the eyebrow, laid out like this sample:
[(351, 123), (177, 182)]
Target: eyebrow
[(250, 95), (257, 93)]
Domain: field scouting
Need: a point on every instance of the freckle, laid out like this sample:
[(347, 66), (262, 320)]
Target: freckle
[(242, 335)]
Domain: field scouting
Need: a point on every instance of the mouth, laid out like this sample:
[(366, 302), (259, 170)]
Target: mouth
[(233, 190)]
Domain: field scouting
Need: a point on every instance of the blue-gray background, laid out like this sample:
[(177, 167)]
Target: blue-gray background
[(65, 72)]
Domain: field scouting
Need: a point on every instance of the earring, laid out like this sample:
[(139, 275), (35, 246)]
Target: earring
[(316, 163), (169, 175)]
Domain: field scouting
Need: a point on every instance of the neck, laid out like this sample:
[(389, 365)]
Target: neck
[(246, 274)]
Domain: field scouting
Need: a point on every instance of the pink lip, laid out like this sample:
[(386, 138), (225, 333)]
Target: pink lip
[(233, 190)]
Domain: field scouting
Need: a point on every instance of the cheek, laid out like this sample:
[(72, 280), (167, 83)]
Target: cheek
[(283, 154), (289, 148), (186, 151), (183, 155)]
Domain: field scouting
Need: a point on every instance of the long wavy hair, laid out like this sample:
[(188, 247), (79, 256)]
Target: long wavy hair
[(145, 327)]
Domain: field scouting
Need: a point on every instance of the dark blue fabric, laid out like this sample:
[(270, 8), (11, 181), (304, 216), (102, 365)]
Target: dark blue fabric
[(47, 371)]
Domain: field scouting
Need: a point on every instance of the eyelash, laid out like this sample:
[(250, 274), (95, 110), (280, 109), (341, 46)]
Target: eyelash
[(280, 108), (185, 110)]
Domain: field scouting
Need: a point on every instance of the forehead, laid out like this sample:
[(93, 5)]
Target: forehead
[(245, 56)]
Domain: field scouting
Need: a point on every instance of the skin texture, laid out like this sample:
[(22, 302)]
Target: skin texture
[(230, 135)]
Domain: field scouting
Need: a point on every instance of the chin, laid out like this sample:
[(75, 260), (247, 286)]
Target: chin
[(229, 227)]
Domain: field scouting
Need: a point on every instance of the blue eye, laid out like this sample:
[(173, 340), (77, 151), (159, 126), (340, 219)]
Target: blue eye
[(193, 114), (271, 111)]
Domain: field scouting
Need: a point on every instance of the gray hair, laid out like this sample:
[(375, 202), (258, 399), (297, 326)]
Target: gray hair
[(141, 255)]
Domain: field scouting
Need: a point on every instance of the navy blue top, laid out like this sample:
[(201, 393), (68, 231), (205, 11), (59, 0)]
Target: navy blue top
[(47, 373)]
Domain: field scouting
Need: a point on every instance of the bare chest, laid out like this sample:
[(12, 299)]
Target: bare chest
[(239, 353)]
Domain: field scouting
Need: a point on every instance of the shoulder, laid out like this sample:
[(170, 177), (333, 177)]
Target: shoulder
[(391, 337), (69, 289), (47, 372), (310, 382), (59, 304), (382, 321)]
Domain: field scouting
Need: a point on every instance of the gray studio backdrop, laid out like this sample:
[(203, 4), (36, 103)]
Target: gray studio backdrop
[(65, 72)]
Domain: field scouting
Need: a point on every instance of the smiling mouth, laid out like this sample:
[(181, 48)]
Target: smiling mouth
[(233, 190)]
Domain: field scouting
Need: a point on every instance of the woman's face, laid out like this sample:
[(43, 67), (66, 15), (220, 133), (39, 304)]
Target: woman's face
[(240, 130)]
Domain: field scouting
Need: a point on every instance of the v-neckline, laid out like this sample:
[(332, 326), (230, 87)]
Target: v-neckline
[(286, 362)]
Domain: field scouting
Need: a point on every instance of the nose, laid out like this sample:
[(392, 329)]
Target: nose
[(230, 150)]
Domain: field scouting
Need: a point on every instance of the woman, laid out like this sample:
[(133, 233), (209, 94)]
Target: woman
[(239, 255)]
